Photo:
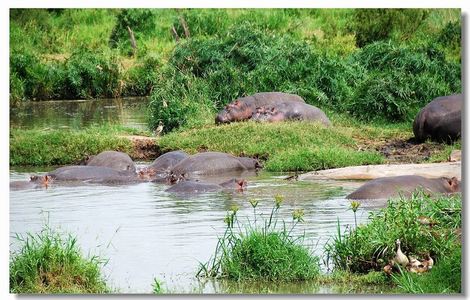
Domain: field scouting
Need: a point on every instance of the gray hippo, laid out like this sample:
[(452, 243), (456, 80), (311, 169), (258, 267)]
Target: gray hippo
[(32, 183), (92, 174), (113, 159), (440, 120), (166, 161), (290, 111), (191, 186), (387, 187), (213, 163), (243, 108)]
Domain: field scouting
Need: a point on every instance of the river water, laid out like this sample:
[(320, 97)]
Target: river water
[(147, 233)]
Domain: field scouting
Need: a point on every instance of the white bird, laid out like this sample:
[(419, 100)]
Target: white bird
[(159, 129), (401, 258)]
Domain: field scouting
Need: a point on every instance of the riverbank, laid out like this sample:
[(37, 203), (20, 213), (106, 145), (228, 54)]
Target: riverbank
[(288, 146)]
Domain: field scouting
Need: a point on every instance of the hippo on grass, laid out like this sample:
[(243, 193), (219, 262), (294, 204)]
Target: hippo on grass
[(243, 108), (34, 182), (191, 186), (92, 174), (290, 111), (440, 120), (213, 163), (387, 187), (113, 159)]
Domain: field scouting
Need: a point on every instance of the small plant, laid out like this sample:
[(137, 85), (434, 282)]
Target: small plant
[(261, 253), (157, 287), (49, 263)]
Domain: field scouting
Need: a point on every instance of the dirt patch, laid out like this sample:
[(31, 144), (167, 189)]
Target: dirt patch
[(405, 151), (145, 148)]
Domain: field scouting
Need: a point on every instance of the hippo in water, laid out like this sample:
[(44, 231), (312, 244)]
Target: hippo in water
[(191, 186), (113, 159), (290, 111), (387, 187), (166, 161), (213, 163), (440, 120), (243, 108), (32, 183), (92, 174)]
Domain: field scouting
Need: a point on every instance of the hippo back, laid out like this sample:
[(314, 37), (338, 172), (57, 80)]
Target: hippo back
[(168, 160), (208, 163), (193, 187), (113, 159), (91, 174), (440, 120)]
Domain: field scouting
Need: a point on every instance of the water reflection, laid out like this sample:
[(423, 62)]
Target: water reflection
[(77, 114), (146, 232)]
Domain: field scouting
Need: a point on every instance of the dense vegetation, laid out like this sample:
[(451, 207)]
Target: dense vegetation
[(370, 247), (47, 263), (371, 63)]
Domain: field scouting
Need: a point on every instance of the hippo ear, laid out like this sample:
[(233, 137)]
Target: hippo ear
[(237, 103)]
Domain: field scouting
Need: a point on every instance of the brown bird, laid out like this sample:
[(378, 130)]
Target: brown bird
[(159, 128)]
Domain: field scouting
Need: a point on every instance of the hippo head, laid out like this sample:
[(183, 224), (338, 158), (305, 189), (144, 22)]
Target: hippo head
[(238, 184), (146, 174), (452, 185), (235, 111), (173, 178), (42, 180)]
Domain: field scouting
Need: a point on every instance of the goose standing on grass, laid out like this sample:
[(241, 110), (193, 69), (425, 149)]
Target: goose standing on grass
[(401, 258)]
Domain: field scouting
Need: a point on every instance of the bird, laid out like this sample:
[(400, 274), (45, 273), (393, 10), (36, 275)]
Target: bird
[(164, 104), (159, 129), (401, 258), (428, 262)]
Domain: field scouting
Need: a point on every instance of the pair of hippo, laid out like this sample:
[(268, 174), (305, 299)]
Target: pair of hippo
[(271, 107), (112, 167)]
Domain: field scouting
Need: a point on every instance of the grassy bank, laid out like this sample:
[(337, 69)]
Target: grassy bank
[(49, 263), (370, 247)]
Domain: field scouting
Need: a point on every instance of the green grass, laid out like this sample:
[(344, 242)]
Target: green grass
[(289, 146), (49, 263), (369, 247), (266, 252), (59, 147)]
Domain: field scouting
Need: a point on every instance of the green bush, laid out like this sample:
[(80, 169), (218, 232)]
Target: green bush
[(91, 75), (372, 24), (261, 253), (369, 247), (17, 87), (140, 21), (142, 78), (48, 263)]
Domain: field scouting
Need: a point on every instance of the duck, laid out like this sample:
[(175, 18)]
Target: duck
[(400, 257), (428, 262)]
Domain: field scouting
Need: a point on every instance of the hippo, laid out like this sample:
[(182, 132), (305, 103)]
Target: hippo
[(92, 174), (166, 161), (440, 120), (118, 161), (191, 186), (387, 187), (290, 111), (243, 108), (33, 182), (213, 163)]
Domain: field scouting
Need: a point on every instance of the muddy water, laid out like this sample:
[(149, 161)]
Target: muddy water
[(77, 114), (147, 233)]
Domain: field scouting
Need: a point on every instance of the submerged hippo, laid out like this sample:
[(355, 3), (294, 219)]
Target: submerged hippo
[(201, 187), (113, 159), (92, 174), (32, 183), (440, 120), (243, 108), (166, 161), (387, 187), (290, 111), (211, 163)]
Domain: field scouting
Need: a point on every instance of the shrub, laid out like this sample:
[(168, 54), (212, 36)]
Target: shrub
[(91, 75), (262, 253), (142, 78), (369, 247), (17, 87), (140, 21), (48, 263), (371, 25)]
